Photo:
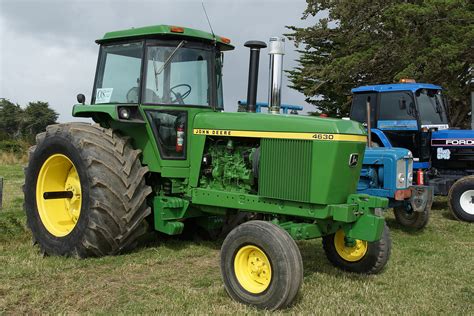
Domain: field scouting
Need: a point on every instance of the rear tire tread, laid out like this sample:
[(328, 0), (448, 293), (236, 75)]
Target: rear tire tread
[(116, 220)]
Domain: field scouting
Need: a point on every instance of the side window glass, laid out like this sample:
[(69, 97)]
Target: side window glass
[(169, 128), (359, 107)]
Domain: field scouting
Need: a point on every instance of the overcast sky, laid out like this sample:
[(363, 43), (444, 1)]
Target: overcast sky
[(48, 53)]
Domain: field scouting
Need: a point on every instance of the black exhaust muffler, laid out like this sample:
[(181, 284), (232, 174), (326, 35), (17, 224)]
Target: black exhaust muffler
[(255, 47)]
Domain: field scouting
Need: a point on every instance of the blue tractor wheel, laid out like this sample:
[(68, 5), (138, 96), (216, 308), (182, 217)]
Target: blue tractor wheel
[(407, 217)]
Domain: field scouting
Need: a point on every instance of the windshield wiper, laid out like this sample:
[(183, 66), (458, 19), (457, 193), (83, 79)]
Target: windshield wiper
[(166, 63), (168, 60)]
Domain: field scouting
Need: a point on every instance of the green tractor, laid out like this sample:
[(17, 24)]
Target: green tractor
[(165, 156)]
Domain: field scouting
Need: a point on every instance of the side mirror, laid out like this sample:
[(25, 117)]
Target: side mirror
[(412, 109), (81, 98), (402, 104)]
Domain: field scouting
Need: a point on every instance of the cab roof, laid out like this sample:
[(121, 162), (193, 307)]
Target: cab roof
[(396, 87), (165, 31)]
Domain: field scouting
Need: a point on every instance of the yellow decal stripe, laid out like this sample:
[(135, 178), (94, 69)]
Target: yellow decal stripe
[(284, 135)]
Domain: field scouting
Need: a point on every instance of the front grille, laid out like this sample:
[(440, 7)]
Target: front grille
[(285, 169)]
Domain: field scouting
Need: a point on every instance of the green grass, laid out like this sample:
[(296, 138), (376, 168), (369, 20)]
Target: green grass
[(429, 272)]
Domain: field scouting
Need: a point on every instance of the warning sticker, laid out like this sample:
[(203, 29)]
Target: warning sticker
[(103, 95)]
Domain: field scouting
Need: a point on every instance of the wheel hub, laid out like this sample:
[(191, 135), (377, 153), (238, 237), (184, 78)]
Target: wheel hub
[(58, 195), (351, 250), (252, 269), (467, 201)]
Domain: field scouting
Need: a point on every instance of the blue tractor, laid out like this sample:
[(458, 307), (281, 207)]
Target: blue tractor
[(387, 172), (414, 116)]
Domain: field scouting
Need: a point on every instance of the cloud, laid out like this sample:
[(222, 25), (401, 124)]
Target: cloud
[(48, 52)]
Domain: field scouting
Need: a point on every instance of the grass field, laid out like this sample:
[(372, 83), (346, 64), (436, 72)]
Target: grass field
[(429, 272)]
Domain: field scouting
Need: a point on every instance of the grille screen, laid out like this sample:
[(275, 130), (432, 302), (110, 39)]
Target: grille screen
[(285, 169)]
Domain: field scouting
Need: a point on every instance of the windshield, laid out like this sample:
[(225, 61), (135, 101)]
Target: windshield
[(431, 107), (179, 74), (118, 74)]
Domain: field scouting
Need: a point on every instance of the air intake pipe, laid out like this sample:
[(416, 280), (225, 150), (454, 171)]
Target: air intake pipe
[(255, 47), (277, 50)]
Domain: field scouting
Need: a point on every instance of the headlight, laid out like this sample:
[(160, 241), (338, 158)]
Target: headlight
[(410, 177), (401, 178), (124, 113), (402, 173)]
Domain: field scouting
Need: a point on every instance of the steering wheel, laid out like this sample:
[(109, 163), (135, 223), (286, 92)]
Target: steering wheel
[(132, 95), (178, 96)]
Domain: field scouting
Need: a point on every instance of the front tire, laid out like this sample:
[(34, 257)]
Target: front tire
[(261, 265), (361, 256), (85, 192), (406, 217), (461, 199)]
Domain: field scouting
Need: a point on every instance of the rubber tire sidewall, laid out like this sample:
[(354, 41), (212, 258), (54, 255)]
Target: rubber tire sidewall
[(52, 244), (454, 196)]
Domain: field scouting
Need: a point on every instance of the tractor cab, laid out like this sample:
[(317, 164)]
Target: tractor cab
[(162, 74), (401, 111), (160, 65)]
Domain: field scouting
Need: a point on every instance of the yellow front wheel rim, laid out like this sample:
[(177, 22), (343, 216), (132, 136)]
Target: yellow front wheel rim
[(253, 269), (58, 176), (351, 252)]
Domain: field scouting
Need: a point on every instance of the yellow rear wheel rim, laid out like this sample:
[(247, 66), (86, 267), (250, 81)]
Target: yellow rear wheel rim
[(350, 252), (59, 216), (252, 269)]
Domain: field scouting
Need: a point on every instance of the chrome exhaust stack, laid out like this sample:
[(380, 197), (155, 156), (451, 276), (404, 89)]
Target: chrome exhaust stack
[(276, 52)]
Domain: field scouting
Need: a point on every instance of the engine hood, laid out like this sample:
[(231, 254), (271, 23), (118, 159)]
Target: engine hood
[(376, 155), (453, 137), (277, 126)]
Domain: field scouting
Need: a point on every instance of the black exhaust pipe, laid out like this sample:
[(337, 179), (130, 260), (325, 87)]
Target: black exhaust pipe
[(255, 47)]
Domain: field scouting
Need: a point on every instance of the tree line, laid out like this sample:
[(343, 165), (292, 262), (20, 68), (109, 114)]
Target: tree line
[(365, 42), (20, 125)]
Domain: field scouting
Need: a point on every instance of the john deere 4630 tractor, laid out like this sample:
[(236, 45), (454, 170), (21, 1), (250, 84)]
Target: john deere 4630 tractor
[(165, 155)]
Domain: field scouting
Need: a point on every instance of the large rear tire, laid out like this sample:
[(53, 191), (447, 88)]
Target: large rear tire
[(461, 199), (261, 265), (361, 256), (85, 191)]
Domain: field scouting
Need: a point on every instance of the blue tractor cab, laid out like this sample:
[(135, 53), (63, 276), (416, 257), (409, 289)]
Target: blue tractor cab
[(414, 116)]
